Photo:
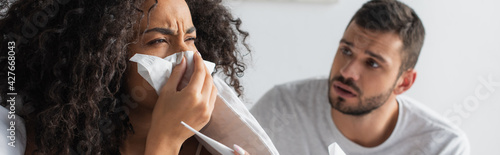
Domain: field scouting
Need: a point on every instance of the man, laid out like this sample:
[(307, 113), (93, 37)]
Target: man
[(358, 106)]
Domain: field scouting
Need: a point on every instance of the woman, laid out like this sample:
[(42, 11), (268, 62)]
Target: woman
[(82, 95)]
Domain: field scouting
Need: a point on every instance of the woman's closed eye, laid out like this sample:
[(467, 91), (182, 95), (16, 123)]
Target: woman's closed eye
[(190, 39), (157, 41)]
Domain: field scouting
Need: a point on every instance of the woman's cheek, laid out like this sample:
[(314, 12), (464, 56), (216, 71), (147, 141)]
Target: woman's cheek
[(139, 89)]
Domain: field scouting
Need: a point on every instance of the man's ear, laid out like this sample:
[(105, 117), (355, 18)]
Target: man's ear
[(405, 81)]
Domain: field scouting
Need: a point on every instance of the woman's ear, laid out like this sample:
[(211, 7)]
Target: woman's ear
[(405, 81)]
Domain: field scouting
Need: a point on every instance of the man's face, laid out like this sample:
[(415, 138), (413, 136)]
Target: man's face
[(364, 71)]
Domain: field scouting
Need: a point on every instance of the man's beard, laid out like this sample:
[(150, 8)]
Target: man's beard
[(364, 106)]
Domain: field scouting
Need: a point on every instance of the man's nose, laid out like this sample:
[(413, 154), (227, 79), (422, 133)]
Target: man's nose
[(351, 70)]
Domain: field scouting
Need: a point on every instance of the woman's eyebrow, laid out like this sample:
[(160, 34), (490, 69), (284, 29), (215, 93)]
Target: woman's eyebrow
[(164, 31), (167, 31), (190, 30)]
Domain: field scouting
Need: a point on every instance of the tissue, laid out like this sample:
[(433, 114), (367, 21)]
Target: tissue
[(334, 149), (221, 148), (156, 70), (231, 122)]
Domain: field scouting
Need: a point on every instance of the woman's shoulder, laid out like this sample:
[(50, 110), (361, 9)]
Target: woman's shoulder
[(12, 131)]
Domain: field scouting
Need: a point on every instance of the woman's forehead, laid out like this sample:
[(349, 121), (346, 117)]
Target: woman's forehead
[(166, 13)]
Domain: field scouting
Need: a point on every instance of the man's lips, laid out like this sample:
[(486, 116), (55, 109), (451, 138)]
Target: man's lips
[(343, 90)]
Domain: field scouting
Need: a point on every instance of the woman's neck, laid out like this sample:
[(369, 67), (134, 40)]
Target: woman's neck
[(135, 143)]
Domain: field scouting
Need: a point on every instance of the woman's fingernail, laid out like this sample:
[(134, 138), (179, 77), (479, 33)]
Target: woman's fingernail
[(238, 149)]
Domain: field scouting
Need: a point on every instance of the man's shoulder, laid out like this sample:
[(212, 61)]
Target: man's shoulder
[(288, 113), (298, 85), (416, 111), (296, 91), (432, 128), (292, 97)]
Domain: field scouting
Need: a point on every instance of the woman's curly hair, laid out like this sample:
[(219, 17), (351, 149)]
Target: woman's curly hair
[(71, 56)]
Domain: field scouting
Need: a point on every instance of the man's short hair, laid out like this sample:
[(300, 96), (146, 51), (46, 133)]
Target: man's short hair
[(394, 16)]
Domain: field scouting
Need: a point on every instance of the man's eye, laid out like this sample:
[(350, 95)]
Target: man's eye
[(157, 41), (346, 51), (372, 64)]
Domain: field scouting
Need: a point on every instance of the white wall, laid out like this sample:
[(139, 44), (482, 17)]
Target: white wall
[(293, 41)]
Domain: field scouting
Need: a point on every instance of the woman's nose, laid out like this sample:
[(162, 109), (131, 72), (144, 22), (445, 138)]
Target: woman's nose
[(181, 46)]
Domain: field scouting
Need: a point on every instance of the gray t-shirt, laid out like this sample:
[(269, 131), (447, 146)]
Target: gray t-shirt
[(297, 118)]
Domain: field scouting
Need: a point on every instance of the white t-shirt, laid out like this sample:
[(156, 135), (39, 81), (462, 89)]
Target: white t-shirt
[(297, 118), (12, 133)]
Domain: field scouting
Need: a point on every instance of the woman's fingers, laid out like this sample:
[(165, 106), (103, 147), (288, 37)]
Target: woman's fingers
[(176, 76), (199, 74), (207, 87), (213, 97), (193, 104)]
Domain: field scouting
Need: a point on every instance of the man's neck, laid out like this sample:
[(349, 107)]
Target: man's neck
[(371, 129)]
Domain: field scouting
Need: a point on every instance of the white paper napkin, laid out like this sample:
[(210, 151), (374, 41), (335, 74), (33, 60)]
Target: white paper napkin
[(334, 149), (221, 148), (231, 122), (156, 70)]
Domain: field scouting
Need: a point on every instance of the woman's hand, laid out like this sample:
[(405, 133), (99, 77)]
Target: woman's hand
[(193, 104)]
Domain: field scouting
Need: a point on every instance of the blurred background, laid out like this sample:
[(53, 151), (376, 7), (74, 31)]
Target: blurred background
[(458, 69)]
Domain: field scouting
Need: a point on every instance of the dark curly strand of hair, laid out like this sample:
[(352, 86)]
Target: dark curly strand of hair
[(214, 18), (70, 61)]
